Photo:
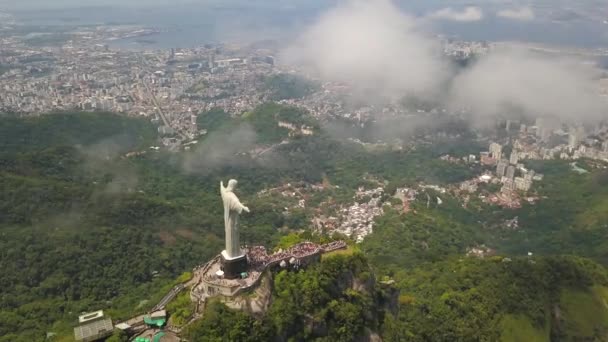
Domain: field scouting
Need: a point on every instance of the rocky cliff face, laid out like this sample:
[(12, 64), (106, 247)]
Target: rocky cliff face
[(257, 302), (385, 298)]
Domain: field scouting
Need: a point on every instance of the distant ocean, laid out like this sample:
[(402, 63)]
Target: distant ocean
[(188, 26)]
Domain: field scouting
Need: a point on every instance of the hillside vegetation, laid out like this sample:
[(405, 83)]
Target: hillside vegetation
[(501, 299), (335, 300), (87, 225), (498, 299), (286, 86), (91, 218), (571, 217)]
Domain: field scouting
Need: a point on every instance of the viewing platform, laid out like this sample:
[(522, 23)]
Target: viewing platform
[(211, 280)]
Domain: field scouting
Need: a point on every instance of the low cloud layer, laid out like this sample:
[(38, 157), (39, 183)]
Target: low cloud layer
[(235, 147), (100, 157), (371, 45), (533, 83), (465, 15), (523, 14), (220, 149)]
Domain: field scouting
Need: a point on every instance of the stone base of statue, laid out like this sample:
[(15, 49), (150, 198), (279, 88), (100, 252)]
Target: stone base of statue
[(233, 267)]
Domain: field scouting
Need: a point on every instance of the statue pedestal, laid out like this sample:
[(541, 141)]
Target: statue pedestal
[(233, 267)]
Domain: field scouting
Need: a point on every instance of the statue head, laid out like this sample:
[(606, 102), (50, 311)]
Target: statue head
[(231, 185)]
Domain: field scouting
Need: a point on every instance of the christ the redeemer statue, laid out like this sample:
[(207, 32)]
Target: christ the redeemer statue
[(232, 209)]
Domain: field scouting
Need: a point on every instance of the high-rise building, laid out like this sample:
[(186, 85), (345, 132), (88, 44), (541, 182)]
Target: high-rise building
[(269, 60), (544, 134), (510, 174), (522, 184), (496, 151), (544, 129), (514, 158), (540, 122), (211, 61), (501, 168), (576, 136), (508, 186), (573, 140)]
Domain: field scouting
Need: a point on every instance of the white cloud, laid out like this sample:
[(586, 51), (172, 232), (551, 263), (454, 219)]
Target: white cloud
[(371, 45), (534, 83), (468, 14), (220, 149), (381, 52), (523, 13)]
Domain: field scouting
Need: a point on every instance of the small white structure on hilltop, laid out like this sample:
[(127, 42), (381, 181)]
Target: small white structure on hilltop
[(93, 326)]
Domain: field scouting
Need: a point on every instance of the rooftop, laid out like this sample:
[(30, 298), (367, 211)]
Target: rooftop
[(91, 316), (94, 330)]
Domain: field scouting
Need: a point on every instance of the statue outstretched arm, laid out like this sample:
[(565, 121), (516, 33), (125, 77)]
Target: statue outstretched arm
[(240, 207)]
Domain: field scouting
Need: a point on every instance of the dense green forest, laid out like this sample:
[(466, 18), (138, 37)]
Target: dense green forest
[(457, 299), (447, 297), (287, 86), (571, 218), (429, 235), (91, 218), (82, 227), (524, 299), (335, 300), (213, 120)]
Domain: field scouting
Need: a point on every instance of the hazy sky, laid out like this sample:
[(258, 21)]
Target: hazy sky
[(412, 4), (44, 4), (459, 11)]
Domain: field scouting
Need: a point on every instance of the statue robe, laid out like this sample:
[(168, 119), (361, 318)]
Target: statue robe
[(232, 209)]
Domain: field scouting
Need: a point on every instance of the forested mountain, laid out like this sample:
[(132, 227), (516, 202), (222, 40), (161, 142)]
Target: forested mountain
[(499, 299), (335, 300), (91, 217), (537, 299), (80, 224)]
